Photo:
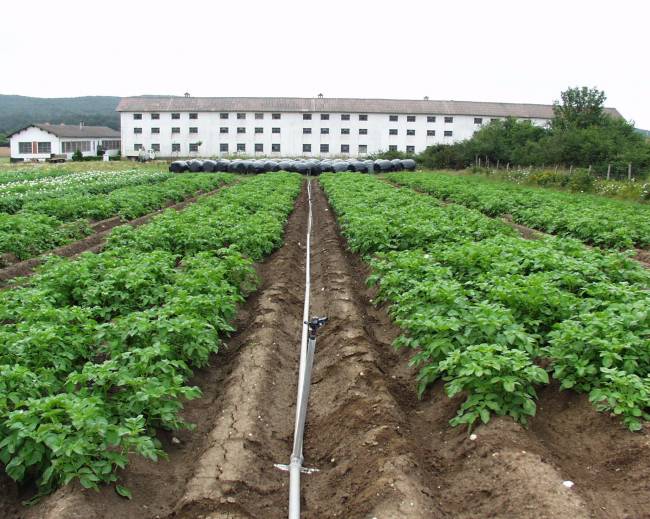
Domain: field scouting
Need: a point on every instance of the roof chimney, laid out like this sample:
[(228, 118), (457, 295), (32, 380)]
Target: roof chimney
[(187, 94), (320, 96)]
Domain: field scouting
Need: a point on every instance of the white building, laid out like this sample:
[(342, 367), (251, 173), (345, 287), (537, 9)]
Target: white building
[(41, 141), (314, 127)]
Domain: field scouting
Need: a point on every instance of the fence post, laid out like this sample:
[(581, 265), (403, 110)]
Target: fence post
[(571, 169), (556, 166), (508, 166), (497, 163), (609, 170), (479, 162), (589, 172), (629, 171)]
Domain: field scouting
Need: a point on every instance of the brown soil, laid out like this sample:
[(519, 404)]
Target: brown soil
[(380, 451)]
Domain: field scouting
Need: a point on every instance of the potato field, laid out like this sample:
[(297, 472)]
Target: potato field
[(487, 352)]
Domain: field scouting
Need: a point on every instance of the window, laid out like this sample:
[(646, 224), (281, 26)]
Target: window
[(410, 132), (363, 148), (111, 145), (155, 117), (431, 118), (176, 147), (410, 118), (324, 131), (241, 116), (176, 116), (136, 147), (194, 129), (392, 131), (259, 129), (478, 120), (410, 149), (363, 117), (527, 121), (137, 117), (176, 129), (306, 130), (259, 116), (275, 130), (223, 129), (275, 148), (363, 131), (431, 133), (494, 119), (449, 119), (345, 148), (72, 146), (448, 133), (241, 147), (155, 130), (324, 148), (241, 129), (324, 117), (306, 117), (345, 117), (155, 147), (223, 147), (137, 130), (275, 116), (392, 147), (259, 146), (223, 115), (306, 148), (194, 116), (45, 147), (194, 146), (392, 118), (345, 131)]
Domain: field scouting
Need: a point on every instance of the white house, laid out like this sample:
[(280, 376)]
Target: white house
[(283, 126), (40, 141)]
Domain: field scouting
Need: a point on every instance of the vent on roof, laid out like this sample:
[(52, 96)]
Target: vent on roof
[(320, 96), (187, 94)]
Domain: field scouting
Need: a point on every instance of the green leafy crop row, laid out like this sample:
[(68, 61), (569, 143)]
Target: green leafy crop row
[(485, 309)]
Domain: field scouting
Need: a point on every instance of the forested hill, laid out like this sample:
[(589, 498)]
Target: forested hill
[(18, 111)]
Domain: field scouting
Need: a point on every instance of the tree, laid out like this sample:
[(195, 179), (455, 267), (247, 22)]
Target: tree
[(580, 108)]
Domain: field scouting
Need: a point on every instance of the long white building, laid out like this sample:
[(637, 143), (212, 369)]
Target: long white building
[(309, 127)]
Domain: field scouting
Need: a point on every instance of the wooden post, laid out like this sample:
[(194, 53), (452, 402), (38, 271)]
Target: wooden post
[(497, 163), (508, 166), (556, 166), (479, 162), (571, 169), (609, 170), (629, 171), (589, 172)]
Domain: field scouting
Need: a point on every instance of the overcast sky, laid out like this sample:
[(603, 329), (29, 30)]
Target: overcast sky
[(476, 50)]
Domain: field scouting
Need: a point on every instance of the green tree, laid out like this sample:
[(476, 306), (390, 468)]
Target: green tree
[(581, 107)]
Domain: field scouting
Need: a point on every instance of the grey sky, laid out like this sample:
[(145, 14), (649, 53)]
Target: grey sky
[(497, 50)]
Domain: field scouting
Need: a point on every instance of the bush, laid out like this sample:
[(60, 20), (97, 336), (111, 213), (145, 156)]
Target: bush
[(77, 156)]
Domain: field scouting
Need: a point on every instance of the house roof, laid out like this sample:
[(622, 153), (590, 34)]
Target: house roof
[(73, 130), (336, 105)]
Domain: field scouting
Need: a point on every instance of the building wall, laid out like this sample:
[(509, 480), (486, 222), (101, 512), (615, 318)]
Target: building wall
[(291, 137), (33, 134)]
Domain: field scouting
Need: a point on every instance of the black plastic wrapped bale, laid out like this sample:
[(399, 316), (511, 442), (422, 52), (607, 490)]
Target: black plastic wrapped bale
[(209, 166), (361, 166), (195, 165), (326, 166), (300, 167), (249, 166), (271, 165), (222, 165), (178, 166), (383, 165), (258, 166), (285, 165), (409, 164), (314, 167), (370, 166), (340, 166), (397, 165), (237, 166)]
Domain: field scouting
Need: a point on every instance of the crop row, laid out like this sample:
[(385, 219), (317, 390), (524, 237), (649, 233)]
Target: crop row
[(591, 219), (485, 309), (44, 224), (96, 353)]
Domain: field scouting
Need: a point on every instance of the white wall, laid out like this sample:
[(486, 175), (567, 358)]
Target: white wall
[(33, 134), (291, 137)]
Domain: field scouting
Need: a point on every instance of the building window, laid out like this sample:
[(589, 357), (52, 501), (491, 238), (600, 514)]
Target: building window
[(345, 117), (137, 147), (155, 130), (45, 147), (155, 147), (345, 131), (275, 130), (176, 147), (392, 147), (223, 129), (363, 148), (431, 133), (223, 147), (137, 130), (363, 117), (306, 130), (478, 120), (363, 131), (194, 116), (324, 117), (306, 148), (449, 119), (137, 117), (306, 117), (176, 116), (431, 118), (259, 129), (194, 146), (72, 146), (494, 119), (275, 116), (392, 131), (223, 115), (345, 148), (392, 118), (410, 132), (275, 148), (527, 121), (259, 147), (324, 131), (410, 118), (448, 133), (111, 145), (259, 116), (176, 129), (194, 129), (155, 117), (410, 149), (241, 147), (241, 116), (241, 129), (324, 148)]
